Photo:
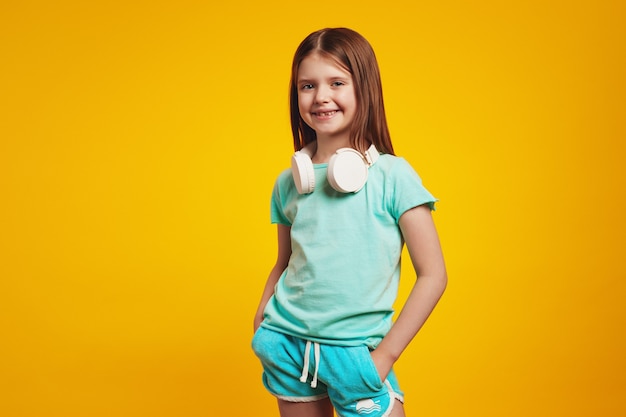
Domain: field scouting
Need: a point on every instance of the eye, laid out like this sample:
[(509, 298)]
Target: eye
[(338, 83), (306, 86)]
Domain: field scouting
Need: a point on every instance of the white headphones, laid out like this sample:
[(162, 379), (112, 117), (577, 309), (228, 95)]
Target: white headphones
[(347, 169)]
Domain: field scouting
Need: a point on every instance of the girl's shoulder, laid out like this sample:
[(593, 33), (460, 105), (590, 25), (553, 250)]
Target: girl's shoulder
[(392, 163), (285, 173), (284, 180)]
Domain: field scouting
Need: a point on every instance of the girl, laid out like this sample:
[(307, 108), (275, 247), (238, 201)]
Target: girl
[(323, 329)]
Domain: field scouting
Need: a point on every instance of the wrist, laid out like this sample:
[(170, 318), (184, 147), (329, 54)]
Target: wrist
[(387, 353)]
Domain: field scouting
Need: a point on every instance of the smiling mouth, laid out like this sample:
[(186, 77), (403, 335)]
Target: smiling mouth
[(325, 113)]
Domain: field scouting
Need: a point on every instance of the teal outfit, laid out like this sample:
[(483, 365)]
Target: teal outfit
[(333, 304), (344, 271)]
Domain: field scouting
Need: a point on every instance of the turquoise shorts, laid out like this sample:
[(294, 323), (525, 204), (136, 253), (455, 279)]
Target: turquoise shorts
[(298, 370)]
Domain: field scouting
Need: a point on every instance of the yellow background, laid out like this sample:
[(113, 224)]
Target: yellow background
[(139, 142)]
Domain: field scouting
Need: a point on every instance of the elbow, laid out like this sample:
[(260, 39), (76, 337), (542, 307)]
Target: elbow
[(435, 282), (444, 282), (440, 282)]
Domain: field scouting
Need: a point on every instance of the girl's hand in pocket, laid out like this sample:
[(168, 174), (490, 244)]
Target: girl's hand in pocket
[(383, 363)]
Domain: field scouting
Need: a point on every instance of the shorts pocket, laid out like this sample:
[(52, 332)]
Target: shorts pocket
[(371, 372), (351, 371), (269, 346), (258, 344)]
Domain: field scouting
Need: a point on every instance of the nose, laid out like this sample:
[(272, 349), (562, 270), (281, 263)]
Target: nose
[(322, 94)]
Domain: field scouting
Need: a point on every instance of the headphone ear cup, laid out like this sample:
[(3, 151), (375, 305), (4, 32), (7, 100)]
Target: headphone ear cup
[(303, 172), (347, 171)]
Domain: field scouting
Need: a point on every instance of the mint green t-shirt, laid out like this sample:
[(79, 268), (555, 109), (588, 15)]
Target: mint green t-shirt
[(343, 274)]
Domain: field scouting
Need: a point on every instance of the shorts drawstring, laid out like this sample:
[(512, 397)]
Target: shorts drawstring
[(316, 347), (305, 366)]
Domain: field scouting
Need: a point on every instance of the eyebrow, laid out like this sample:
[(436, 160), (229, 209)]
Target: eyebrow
[(306, 80)]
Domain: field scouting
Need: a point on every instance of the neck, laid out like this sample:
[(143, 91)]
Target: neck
[(326, 148)]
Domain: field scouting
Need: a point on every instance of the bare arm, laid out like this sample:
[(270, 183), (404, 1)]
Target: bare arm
[(284, 252), (423, 245)]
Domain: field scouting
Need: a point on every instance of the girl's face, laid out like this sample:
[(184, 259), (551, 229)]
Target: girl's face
[(326, 98)]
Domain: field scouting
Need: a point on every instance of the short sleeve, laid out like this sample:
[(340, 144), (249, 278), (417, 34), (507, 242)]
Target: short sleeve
[(407, 190), (277, 213)]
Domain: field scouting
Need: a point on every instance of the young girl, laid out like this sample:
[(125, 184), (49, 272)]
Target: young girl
[(323, 329)]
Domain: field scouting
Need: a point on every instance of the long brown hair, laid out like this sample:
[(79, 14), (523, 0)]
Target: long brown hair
[(354, 53)]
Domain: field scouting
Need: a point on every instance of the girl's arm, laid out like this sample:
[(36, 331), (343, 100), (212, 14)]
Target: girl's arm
[(284, 252), (422, 241)]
